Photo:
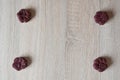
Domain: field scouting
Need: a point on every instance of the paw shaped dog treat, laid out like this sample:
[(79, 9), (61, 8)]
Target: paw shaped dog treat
[(24, 15), (100, 64), (101, 17), (20, 63)]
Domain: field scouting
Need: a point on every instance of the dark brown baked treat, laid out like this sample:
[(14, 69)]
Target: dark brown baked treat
[(100, 64), (101, 17), (24, 15), (20, 63)]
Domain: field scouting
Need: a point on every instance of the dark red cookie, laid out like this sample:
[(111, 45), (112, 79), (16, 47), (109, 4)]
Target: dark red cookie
[(24, 15), (101, 17), (20, 63), (100, 64)]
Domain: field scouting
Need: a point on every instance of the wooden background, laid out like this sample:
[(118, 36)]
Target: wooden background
[(62, 39)]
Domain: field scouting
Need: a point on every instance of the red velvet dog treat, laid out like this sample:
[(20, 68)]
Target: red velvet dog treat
[(20, 63), (24, 15), (101, 17), (100, 64)]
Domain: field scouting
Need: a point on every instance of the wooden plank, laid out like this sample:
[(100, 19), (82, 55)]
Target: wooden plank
[(87, 40), (43, 39)]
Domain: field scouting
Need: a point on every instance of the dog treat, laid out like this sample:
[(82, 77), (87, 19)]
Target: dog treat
[(101, 17), (20, 63), (24, 15), (100, 64)]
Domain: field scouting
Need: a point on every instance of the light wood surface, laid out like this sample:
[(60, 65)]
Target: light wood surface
[(62, 39)]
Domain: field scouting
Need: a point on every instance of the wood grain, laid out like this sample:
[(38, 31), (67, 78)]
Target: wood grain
[(62, 39)]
